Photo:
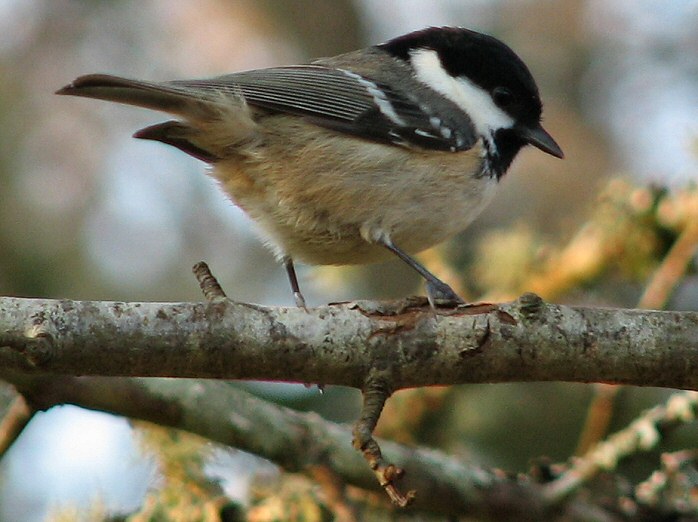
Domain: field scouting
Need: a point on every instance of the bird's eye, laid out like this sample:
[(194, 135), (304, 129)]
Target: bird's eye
[(503, 97)]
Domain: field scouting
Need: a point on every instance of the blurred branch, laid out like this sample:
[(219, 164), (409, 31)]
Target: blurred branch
[(408, 413), (671, 489), (626, 229), (599, 416), (642, 434), (672, 269), (582, 259), (13, 423), (299, 442), (527, 340), (334, 492), (304, 442)]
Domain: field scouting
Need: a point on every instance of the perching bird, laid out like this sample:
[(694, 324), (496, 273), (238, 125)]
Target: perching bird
[(383, 151)]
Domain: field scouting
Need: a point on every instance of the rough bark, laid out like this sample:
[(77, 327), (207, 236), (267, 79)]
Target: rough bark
[(527, 340)]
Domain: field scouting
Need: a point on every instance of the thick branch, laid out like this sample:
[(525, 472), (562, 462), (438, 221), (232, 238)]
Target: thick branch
[(527, 340)]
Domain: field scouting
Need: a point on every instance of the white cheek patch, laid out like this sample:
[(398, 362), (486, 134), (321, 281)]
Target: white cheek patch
[(475, 101)]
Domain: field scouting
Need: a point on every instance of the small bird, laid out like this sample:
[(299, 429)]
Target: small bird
[(380, 152)]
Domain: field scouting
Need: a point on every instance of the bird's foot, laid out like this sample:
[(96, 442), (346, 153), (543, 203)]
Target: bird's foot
[(441, 295)]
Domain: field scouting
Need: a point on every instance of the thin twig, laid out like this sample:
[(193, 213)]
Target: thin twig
[(209, 284), (376, 391), (642, 434), (672, 269), (599, 415), (671, 489)]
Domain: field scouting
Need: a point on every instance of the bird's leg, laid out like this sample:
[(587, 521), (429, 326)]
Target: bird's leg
[(293, 279), (438, 292)]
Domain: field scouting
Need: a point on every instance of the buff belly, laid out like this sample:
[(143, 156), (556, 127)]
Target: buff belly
[(324, 200)]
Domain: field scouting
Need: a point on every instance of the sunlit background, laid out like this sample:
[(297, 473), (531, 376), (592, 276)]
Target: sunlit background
[(87, 212)]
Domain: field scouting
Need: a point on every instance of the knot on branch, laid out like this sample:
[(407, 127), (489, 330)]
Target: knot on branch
[(530, 304), (39, 346)]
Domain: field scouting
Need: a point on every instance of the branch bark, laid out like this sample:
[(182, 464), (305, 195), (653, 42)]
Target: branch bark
[(527, 340)]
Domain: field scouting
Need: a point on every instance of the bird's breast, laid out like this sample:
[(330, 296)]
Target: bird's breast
[(315, 194)]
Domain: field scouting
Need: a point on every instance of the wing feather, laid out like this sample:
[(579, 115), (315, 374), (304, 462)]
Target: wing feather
[(341, 100)]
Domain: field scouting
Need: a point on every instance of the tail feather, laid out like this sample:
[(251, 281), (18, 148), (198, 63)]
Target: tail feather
[(164, 97), (177, 135), (212, 126)]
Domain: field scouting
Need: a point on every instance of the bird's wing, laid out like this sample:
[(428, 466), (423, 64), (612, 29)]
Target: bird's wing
[(342, 100)]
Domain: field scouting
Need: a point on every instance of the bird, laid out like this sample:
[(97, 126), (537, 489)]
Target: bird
[(357, 158)]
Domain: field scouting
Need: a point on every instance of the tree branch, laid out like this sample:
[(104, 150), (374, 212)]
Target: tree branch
[(376, 391), (527, 340), (299, 442), (643, 434), (399, 344)]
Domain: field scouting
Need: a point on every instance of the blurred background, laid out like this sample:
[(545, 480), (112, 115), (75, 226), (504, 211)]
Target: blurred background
[(87, 212)]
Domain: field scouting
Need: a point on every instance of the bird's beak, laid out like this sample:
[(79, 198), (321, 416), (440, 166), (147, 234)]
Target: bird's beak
[(539, 137)]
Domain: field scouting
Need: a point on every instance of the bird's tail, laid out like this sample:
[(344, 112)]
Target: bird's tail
[(168, 97), (212, 126)]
